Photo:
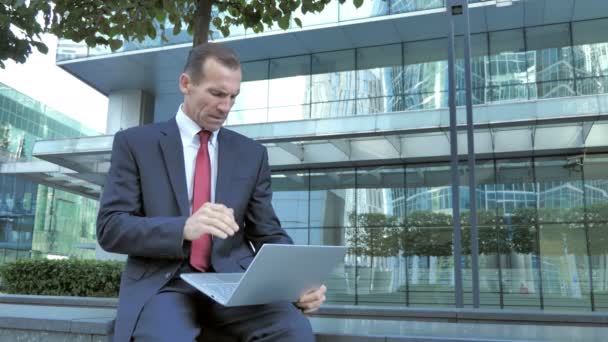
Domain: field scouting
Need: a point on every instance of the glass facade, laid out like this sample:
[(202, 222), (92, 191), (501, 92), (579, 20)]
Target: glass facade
[(543, 222), (534, 63), (36, 219), (543, 228)]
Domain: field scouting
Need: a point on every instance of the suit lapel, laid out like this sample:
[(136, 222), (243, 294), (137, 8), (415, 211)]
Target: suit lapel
[(227, 156), (171, 146)]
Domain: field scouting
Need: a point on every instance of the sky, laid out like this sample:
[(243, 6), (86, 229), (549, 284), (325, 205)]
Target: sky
[(42, 80)]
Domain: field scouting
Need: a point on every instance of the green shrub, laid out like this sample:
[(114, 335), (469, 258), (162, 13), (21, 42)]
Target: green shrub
[(87, 278)]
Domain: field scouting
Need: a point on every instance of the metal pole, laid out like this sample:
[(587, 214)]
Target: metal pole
[(454, 9), (471, 157)]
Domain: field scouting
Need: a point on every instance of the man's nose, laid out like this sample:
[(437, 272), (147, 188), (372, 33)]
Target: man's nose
[(225, 105)]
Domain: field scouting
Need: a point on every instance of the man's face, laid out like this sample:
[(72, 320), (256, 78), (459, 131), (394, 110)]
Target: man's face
[(209, 102)]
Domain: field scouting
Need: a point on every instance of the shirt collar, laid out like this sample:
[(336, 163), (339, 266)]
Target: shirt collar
[(188, 129)]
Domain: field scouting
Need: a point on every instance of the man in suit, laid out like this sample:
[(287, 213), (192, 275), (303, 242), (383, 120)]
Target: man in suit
[(188, 195)]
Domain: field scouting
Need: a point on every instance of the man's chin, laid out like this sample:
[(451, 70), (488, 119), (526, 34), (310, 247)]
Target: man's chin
[(213, 126)]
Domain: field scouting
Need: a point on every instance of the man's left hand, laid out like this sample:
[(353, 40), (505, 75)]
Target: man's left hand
[(312, 300)]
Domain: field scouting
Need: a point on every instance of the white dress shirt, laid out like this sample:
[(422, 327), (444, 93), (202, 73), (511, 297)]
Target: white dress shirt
[(188, 131)]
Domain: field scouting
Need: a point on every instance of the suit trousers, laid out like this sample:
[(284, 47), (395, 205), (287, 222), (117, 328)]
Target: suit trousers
[(179, 312)]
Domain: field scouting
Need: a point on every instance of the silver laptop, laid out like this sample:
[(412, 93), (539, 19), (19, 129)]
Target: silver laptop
[(277, 273)]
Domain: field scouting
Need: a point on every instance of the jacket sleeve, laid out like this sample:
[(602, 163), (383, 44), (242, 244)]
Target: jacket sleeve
[(261, 223), (122, 226)]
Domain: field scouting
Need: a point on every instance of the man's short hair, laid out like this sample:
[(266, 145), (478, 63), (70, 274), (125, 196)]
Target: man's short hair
[(200, 53)]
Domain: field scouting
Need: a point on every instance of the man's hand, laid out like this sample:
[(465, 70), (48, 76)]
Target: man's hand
[(312, 300), (211, 218)]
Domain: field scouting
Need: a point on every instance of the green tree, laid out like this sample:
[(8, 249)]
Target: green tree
[(107, 23), (428, 234), (523, 236), (493, 236), (376, 235), (5, 137)]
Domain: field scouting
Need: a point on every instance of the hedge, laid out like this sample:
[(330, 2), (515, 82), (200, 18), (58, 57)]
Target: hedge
[(87, 278)]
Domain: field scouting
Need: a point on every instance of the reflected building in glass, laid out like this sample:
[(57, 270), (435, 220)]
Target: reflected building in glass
[(353, 112), (36, 220)]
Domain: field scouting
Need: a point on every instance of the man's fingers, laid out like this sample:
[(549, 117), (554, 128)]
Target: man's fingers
[(308, 307), (211, 230), (219, 211), (311, 297), (220, 225), (314, 295)]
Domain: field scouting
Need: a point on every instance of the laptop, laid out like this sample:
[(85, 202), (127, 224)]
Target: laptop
[(277, 273)]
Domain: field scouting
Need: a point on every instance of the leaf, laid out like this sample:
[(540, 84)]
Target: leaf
[(151, 30), (42, 48), (298, 22), (225, 30), (177, 28), (217, 22), (358, 3), (284, 22), (115, 44), (90, 40), (161, 16)]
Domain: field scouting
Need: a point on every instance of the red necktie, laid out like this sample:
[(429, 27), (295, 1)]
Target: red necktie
[(200, 250)]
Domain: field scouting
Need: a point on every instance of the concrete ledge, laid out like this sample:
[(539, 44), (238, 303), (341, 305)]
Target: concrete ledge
[(92, 319), (343, 330), (466, 315), (76, 320), (60, 301)]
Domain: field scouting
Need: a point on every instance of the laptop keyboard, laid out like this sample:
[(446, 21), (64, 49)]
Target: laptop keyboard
[(222, 291)]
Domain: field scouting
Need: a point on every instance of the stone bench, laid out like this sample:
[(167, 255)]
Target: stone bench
[(47, 318)]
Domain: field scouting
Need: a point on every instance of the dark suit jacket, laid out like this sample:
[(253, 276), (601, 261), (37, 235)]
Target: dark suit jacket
[(144, 207)]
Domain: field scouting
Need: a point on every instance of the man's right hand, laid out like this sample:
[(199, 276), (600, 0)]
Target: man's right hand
[(212, 218)]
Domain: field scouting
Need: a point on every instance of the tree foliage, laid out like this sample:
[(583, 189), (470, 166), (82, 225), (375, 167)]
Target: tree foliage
[(376, 235), (108, 23)]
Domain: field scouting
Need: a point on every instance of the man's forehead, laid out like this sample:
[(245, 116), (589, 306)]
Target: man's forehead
[(213, 63)]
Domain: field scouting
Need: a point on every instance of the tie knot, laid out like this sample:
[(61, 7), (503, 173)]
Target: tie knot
[(204, 135)]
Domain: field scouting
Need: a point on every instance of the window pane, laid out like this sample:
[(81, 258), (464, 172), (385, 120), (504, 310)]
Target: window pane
[(427, 239), (289, 82), (565, 267), (332, 197), (425, 66), (508, 68), (515, 198), (342, 282), (332, 109), (479, 55), (380, 105), (290, 198), (551, 58), (333, 76), (287, 113), (380, 196), (426, 100), (254, 87), (560, 197), (596, 193), (247, 116), (379, 71), (591, 56)]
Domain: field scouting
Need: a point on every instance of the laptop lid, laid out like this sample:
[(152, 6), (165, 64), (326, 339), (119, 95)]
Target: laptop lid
[(279, 273)]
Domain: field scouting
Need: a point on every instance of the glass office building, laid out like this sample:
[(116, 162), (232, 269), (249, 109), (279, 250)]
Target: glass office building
[(353, 111), (34, 219)]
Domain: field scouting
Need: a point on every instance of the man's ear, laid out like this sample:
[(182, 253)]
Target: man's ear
[(185, 83)]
